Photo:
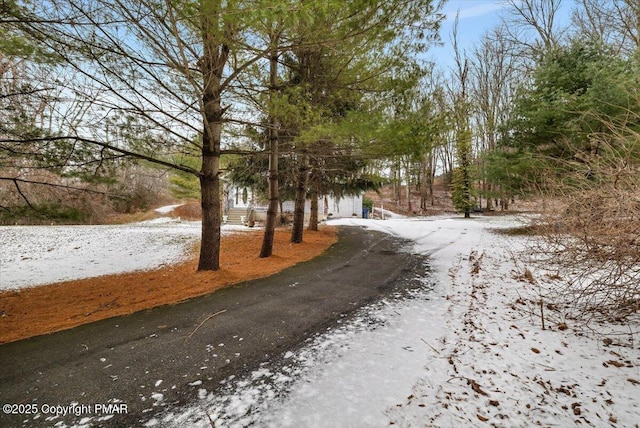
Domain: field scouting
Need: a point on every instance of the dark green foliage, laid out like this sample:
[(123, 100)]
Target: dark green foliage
[(43, 214), (250, 171), (14, 41), (575, 90), (183, 185), (578, 93), (513, 173)]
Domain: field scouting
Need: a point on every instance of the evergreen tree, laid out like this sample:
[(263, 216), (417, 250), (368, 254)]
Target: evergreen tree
[(578, 91)]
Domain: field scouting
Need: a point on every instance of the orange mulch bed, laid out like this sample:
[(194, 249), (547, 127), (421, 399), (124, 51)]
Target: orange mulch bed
[(39, 310)]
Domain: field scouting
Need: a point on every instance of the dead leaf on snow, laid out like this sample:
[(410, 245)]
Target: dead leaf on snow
[(564, 389), (576, 409), (562, 326), (482, 418), (476, 387), (528, 276), (476, 268), (633, 381)]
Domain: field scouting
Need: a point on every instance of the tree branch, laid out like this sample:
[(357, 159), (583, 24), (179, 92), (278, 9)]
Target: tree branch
[(126, 152)]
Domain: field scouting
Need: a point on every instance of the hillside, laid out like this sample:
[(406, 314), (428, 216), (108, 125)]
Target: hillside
[(439, 204)]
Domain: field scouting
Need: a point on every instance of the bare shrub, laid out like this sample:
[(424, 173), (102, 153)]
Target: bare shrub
[(43, 197), (39, 196), (139, 188), (591, 233)]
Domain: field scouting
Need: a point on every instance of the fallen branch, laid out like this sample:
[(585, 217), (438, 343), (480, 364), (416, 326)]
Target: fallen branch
[(204, 321), (436, 351), (211, 421), (472, 382)]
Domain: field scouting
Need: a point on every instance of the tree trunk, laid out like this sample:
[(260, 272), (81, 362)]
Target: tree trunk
[(397, 181), (432, 176), (325, 203), (313, 216), (489, 199), (424, 181), (504, 204), (467, 188), (408, 189), (212, 65), (210, 203), (297, 231), (272, 210)]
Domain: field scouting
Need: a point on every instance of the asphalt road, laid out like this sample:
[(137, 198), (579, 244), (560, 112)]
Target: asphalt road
[(124, 358)]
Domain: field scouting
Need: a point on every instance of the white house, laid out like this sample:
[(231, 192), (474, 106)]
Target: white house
[(331, 207), (328, 206)]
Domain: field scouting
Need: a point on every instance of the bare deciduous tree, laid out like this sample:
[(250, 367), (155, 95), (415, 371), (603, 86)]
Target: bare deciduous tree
[(494, 77), (612, 22), (532, 25)]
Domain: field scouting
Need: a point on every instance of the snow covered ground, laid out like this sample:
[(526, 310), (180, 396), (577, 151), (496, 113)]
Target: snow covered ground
[(37, 255), (467, 350)]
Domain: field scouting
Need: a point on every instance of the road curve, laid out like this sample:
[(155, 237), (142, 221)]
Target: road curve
[(127, 360)]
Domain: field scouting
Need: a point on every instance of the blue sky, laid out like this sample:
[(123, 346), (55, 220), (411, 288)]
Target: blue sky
[(476, 18)]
